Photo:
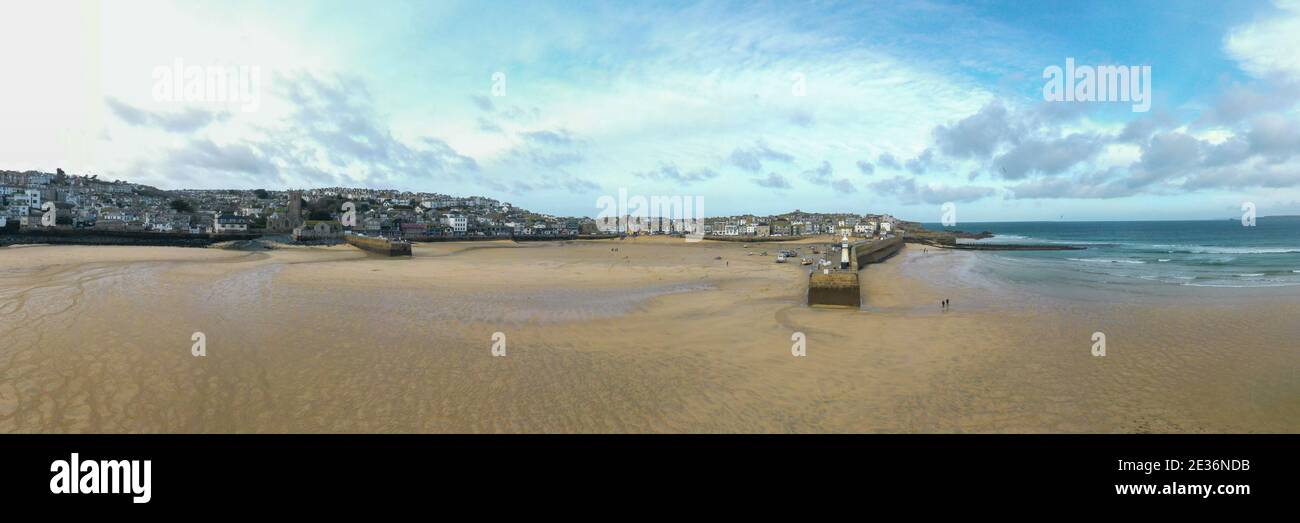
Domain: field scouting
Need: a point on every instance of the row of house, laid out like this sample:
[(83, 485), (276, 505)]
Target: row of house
[(87, 202), (868, 225)]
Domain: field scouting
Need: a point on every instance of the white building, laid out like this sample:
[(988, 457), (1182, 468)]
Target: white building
[(457, 222), (28, 197), (110, 213), (864, 228), (228, 223)]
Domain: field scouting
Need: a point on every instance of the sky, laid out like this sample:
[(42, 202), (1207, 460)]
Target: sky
[(750, 106)]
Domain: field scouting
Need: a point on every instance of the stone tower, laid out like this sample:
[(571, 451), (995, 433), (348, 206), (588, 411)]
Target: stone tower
[(295, 208)]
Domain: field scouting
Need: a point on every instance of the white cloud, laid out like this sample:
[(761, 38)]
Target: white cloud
[(1268, 47)]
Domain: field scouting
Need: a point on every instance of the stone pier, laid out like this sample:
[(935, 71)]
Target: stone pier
[(841, 288), (382, 246)]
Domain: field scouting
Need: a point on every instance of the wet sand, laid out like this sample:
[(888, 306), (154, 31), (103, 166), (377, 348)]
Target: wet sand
[(658, 336)]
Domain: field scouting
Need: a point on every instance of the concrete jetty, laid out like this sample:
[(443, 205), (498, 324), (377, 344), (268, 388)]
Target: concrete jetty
[(841, 287), (864, 253), (834, 288), (378, 245)]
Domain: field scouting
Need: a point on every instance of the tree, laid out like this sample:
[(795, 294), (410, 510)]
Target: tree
[(323, 208), (261, 194), (180, 205)]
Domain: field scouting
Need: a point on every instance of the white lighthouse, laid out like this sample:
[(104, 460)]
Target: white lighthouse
[(844, 252)]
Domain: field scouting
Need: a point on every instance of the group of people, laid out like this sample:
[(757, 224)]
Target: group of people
[(945, 304)]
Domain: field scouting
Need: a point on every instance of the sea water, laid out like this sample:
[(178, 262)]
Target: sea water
[(1217, 253)]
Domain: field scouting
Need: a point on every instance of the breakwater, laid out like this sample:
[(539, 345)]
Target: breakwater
[(951, 243), (842, 288), (517, 238), (56, 236), (868, 252), (835, 288), (377, 245)]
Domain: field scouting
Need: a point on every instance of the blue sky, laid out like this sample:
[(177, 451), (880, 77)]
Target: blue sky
[(905, 105)]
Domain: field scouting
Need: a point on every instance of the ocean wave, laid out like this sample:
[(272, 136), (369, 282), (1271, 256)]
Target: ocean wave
[(1000, 239), (1250, 274), (1162, 260), (1202, 249), (1106, 260), (1242, 286), (1216, 261)]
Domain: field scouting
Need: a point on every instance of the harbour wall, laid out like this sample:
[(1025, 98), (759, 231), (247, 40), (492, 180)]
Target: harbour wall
[(57, 236), (864, 253), (382, 246), (836, 288)]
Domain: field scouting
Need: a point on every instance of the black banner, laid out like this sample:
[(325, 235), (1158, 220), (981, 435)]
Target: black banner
[(159, 473)]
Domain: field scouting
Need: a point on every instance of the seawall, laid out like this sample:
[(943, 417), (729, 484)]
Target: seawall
[(56, 236), (382, 246), (834, 289), (951, 243), (864, 253), (517, 238), (842, 288)]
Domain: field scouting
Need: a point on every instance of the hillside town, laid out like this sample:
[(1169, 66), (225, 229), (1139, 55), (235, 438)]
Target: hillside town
[(792, 224), (33, 199)]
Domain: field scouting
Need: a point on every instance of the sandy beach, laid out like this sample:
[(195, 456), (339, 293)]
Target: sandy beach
[(644, 335)]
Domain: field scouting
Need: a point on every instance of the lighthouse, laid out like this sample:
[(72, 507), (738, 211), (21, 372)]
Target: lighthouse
[(844, 252)]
